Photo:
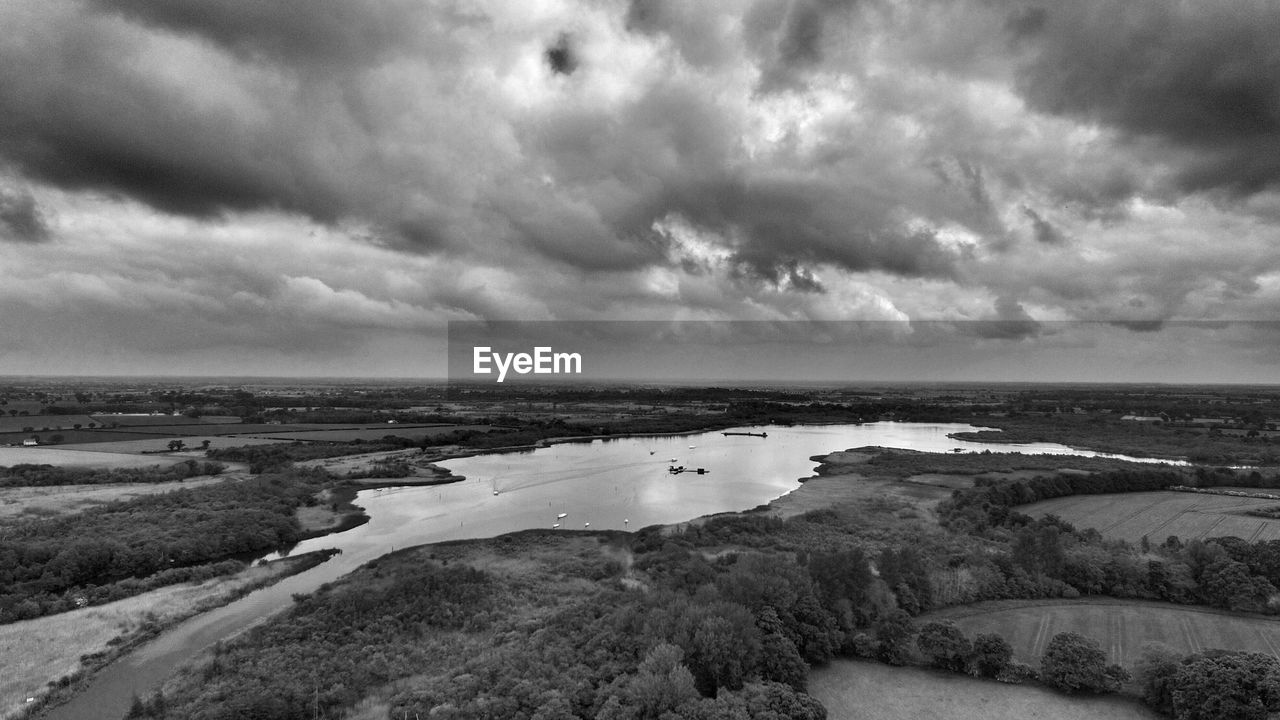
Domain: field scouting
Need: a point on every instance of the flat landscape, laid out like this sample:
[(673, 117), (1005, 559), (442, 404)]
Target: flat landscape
[(153, 443), (1120, 626), (1157, 515), (61, 499), (856, 690), (77, 458)]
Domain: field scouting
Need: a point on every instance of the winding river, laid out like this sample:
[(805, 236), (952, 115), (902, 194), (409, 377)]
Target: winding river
[(608, 484)]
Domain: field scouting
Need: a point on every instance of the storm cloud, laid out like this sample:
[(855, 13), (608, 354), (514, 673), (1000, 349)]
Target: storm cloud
[(1197, 78), (394, 165)]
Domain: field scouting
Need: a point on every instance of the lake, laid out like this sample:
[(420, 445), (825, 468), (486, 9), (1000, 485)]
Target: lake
[(611, 484)]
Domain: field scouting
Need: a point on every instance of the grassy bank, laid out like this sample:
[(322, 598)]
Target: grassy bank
[(69, 646)]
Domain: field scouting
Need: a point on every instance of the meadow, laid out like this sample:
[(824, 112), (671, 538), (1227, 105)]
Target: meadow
[(76, 458), (1120, 626), (859, 690), (1157, 515), (61, 499)]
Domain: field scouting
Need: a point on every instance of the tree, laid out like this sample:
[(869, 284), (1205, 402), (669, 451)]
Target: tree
[(1240, 686), (780, 661), (991, 655), (176, 445), (894, 633), (1154, 671), (1074, 663), (945, 645), (662, 683)]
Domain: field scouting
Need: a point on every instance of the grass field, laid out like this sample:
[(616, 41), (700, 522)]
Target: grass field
[(854, 690), (40, 422), (368, 433), (161, 442), (1158, 515), (1120, 626), (78, 458), (61, 499), (34, 652)]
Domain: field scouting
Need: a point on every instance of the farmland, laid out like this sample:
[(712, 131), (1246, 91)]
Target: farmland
[(153, 443), (76, 458), (61, 499), (853, 690), (1157, 515), (1121, 627)]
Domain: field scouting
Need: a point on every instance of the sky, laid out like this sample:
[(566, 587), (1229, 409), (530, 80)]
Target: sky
[(1086, 190)]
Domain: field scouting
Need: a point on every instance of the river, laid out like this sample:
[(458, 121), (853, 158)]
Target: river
[(610, 484)]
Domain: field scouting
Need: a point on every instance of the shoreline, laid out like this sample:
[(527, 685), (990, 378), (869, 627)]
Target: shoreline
[(61, 690)]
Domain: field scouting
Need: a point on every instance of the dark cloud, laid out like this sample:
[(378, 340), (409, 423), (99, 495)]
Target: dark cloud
[(799, 35), (1199, 79), (1043, 230), (561, 56), (1011, 322), (1026, 21), (312, 32), (777, 224), (20, 217), (1139, 326), (76, 113)]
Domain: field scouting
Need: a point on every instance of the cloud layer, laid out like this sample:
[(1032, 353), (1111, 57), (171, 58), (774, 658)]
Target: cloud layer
[(333, 179)]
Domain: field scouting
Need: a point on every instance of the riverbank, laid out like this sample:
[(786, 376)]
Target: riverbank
[(71, 647)]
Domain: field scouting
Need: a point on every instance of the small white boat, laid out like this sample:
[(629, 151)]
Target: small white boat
[(672, 460), (495, 492), (692, 447), (555, 525), (625, 521), (585, 525), (561, 516)]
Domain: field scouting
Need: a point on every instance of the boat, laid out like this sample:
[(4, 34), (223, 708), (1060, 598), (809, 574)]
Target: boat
[(495, 492), (673, 460), (751, 434), (586, 525), (555, 525), (692, 447), (561, 516)]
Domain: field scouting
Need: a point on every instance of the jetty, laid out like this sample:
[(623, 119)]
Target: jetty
[(759, 434)]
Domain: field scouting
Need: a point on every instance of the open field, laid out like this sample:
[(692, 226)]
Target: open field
[(144, 420), (34, 652), (41, 423), (78, 458), (378, 432), (61, 499), (1120, 626), (70, 437), (161, 442), (855, 690), (1158, 515)]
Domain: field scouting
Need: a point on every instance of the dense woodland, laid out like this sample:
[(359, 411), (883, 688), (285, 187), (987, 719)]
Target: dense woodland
[(28, 475), (50, 565)]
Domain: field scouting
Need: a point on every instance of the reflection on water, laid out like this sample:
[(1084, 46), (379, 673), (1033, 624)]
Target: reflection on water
[(611, 484)]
